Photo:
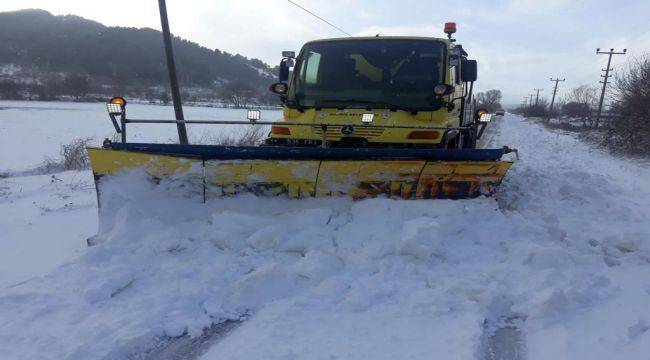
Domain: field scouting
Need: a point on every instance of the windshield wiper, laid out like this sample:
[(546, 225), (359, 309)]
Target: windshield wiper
[(349, 103)]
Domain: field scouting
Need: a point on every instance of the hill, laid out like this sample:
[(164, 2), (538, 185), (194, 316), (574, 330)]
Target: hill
[(47, 56)]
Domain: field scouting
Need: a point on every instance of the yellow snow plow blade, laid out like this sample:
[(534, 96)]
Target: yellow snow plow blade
[(217, 171), (262, 177)]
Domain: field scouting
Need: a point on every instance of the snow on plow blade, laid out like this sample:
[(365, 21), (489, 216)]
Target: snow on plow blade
[(216, 171)]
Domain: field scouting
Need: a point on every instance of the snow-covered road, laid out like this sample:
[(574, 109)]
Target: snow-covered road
[(564, 248)]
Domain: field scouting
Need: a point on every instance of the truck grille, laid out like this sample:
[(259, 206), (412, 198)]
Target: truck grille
[(334, 132)]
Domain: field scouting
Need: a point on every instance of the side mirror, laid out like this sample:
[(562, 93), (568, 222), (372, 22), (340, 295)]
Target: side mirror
[(285, 65), (279, 88), (468, 70), (284, 70)]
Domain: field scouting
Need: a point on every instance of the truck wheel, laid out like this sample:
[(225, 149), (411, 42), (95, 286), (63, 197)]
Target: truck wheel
[(455, 142)]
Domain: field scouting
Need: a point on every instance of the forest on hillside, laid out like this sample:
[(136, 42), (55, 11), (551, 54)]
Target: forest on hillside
[(48, 57)]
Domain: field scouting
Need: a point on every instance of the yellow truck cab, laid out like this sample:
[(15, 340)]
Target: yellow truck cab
[(381, 91)]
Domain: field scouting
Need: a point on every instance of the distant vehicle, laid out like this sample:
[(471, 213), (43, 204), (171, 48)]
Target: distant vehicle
[(500, 112)]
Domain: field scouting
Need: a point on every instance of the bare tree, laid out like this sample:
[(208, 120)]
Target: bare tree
[(539, 109), (238, 93), (10, 90), (73, 157), (580, 102), (164, 97), (632, 101), (490, 100)]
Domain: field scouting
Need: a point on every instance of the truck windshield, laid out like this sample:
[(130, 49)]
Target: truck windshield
[(386, 73)]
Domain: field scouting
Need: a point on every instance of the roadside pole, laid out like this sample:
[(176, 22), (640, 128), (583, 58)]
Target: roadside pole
[(537, 96), (605, 77), (173, 80), (550, 109)]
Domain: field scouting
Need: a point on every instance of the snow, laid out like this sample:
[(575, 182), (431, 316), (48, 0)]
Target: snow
[(564, 245), (9, 69), (45, 221), (262, 72), (36, 130)]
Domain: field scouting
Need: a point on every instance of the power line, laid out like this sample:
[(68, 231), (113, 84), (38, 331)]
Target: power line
[(320, 18)]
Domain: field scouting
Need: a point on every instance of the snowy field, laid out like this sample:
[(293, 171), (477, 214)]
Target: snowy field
[(560, 258), (32, 130)]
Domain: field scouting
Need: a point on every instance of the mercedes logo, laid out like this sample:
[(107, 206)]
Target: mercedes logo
[(347, 130)]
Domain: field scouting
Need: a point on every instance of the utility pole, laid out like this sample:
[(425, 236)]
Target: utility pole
[(550, 109), (529, 104), (523, 105), (171, 67), (605, 77), (537, 97)]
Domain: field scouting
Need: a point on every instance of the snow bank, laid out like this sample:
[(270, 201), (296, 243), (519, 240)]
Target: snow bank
[(565, 244), (44, 222), (595, 209)]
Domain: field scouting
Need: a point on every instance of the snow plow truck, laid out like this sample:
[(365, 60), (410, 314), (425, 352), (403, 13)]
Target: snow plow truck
[(362, 117)]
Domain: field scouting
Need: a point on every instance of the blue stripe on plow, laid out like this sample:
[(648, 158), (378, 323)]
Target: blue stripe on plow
[(219, 152)]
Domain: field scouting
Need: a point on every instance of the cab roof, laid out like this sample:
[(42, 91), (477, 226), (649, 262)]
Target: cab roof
[(380, 37)]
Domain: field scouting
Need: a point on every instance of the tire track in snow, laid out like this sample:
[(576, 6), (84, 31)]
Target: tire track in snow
[(184, 347), (503, 337)]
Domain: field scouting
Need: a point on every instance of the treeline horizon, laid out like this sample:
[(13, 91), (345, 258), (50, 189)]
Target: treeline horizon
[(47, 57)]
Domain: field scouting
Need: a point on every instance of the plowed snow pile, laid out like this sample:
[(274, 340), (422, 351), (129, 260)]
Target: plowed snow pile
[(565, 245)]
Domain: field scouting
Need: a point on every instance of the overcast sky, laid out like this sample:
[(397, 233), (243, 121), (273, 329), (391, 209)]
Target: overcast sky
[(519, 44)]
